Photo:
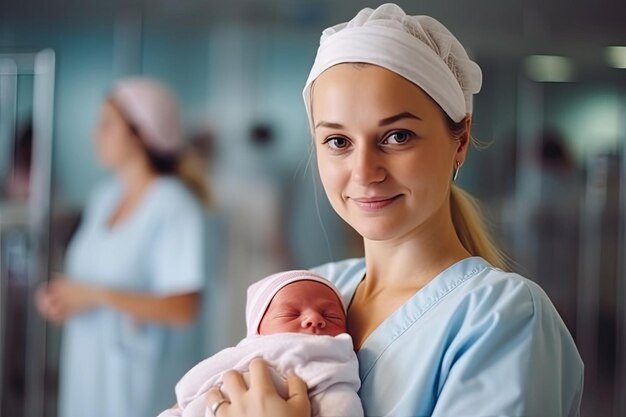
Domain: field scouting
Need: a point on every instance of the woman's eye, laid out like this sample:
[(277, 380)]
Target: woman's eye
[(337, 142), (398, 138)]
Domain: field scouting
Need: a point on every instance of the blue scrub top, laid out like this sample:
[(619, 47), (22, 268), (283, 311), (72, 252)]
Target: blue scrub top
[(476, 341), (112, 365)]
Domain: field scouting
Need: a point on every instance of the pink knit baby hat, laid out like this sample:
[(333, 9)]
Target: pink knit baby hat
[(261, 293), (151, 108)]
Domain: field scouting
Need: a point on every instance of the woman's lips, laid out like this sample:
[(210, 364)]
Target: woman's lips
[(374, 203)]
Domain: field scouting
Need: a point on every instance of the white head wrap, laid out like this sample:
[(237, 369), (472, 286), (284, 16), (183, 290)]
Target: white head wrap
[(418, 48), (151, 108), (261, 293)]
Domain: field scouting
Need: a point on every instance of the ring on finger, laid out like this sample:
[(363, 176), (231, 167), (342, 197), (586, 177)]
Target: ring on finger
[(217, 404)]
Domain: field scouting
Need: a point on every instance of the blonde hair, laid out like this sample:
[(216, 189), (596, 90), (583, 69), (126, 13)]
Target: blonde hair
[(471, 229), (467, 217), (190, 170)]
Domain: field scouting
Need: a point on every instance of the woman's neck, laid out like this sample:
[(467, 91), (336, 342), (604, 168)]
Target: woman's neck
[(135, 182), (136, 177), (414, 260)]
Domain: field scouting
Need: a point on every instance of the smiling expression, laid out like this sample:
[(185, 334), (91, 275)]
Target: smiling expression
[(384, 152)]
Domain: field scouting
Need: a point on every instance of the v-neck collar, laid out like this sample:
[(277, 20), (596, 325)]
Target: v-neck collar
[(139, 208), (412, 309)]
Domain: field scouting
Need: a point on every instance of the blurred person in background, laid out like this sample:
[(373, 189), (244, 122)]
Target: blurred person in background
[(130, 294), (555, 223), (441, 328), (250, 193)]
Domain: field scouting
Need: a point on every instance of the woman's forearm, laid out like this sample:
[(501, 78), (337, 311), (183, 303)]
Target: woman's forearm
[(175, 310)]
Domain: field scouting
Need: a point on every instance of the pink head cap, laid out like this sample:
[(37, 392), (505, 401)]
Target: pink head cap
[(152, 109), (261, 293)]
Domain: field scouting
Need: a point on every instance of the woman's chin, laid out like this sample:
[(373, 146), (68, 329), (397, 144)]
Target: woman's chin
[(376, 231)]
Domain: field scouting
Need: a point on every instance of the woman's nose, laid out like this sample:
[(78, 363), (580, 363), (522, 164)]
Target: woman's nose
[(367, 166)]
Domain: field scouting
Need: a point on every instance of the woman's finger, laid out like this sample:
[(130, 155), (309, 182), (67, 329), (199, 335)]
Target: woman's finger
[(56, 314), (54, 294), (43, 297), (42, 302), (54, 285), (260, 377), (56, 305), (213, 399), (49, 308), (234, 384), (298, 395)]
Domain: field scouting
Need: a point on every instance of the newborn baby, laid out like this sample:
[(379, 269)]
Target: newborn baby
[(296, 321)]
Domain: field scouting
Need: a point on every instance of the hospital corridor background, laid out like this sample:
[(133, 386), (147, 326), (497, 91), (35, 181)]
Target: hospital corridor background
[(551, 175)]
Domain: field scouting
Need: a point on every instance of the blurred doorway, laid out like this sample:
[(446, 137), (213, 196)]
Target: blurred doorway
[(26, 107)]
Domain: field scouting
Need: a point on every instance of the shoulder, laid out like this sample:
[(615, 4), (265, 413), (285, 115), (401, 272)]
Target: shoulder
[(503, 326), (342, 273), (495, 289), (173, 196), (173, 191), (495, 303)]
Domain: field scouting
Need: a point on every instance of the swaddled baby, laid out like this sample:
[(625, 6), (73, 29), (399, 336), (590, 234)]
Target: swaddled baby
[(296, 321)]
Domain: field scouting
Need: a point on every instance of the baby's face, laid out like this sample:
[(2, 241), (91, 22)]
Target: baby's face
[(304, 307)]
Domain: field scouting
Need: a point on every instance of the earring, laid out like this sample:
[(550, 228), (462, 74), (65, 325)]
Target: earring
[(455, 170)]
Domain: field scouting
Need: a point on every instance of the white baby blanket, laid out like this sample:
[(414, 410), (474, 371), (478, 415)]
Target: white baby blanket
[(327, 364)]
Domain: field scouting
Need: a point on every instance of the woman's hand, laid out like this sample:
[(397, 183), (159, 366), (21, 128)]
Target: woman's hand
[(63, 298), (260, 399)]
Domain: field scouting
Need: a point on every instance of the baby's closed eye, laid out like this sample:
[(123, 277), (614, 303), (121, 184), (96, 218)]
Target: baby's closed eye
[(286, 314)]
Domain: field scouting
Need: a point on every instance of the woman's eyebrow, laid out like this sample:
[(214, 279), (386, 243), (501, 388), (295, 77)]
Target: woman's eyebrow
[(329, 125), (383, 122), (399, 116)]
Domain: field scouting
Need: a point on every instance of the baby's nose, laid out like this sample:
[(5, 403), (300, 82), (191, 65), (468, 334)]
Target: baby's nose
[(313, 320)]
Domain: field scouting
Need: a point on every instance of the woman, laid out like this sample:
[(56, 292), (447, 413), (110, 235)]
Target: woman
[(134, 269), (440, 329)]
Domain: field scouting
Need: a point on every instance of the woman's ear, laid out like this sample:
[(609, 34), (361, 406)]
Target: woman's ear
[(464, 139)]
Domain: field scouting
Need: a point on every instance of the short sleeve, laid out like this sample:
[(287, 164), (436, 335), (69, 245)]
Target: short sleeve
[(177, 264), (515, 358)]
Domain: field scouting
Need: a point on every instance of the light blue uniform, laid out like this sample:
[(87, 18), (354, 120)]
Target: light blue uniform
[(111, 365), (475, 341)]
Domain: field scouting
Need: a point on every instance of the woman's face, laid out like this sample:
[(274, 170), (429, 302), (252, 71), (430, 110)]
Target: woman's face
[(384, 152), (116, 144)]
